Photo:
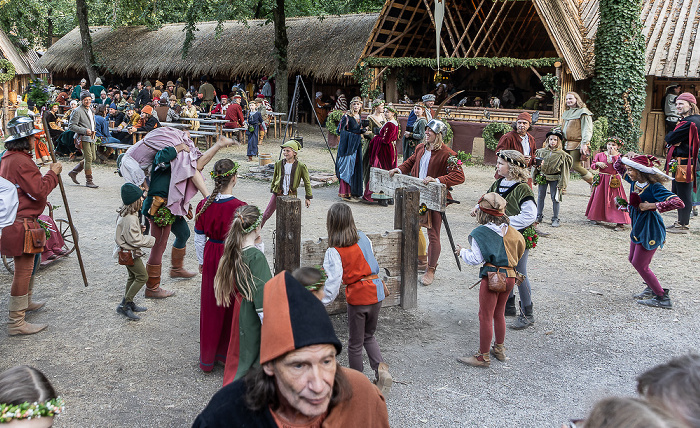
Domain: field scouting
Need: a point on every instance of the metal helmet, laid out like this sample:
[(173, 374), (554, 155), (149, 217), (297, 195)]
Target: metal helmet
[(20, 127), (437, 126)]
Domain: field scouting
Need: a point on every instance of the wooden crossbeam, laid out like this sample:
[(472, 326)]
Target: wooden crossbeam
[(420, 22), (507, 38), (433, 195), (410, 41), (395, 38), (478, 33), (491, 46), (512, 45), (493, 24), (449, 19), (466, 28), (432, 18)]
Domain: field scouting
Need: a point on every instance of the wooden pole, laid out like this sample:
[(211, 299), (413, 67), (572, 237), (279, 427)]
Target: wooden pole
[(406, 218), (73, 231), (288, 234), (5, 112)]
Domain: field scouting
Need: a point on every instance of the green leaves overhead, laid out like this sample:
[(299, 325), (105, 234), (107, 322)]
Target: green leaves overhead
[(618, 89)]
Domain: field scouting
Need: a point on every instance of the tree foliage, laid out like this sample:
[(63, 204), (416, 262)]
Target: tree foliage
[(618, 89)]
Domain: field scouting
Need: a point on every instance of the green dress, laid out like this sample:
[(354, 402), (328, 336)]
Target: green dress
[(244, 346)]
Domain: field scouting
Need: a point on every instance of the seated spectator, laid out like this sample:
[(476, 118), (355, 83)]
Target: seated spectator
[(174, 110), (55, 122), (161, 111), (119, 101), (534, 102), (150, 121), (190, 111), (221, 107), (103, 100), (27, 398), (299, 382), (102, 126), (115, 115), (63, 96), (78, 89)]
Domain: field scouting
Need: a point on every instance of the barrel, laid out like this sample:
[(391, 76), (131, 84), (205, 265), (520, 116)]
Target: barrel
[(265, 158)]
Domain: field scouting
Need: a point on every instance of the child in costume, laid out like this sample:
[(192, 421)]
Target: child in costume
[(552, 165), (288, 174), (212, 223), (499, 247), (607, 187), (350, 260), (241, 276), (521, 211), (129, 237), (648, 198)]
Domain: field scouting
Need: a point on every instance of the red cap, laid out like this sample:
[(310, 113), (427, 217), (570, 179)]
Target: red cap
[(261, 96), (687, 96), (525, 116)]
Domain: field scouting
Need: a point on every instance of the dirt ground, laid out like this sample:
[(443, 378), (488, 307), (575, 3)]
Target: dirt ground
[(590, 339)]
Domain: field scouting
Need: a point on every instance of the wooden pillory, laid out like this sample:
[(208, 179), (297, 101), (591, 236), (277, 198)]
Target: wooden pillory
[(396, 251)]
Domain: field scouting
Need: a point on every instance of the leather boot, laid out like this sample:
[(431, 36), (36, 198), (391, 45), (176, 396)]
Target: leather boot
[(422, 263), (428, 276), (177, 259), (16, 324), (525, 319), (74, 173), (153, 289), (476, 360), (510, 307), (88, 180), (384, 379), (125, 309), (33, 306), (499, 351)]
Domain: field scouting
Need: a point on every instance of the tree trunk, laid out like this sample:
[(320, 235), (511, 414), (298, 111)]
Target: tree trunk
[(86, 40), (281, 71), (49, 30)]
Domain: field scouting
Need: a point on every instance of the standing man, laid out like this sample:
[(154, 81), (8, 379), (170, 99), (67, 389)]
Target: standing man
[(144, 96), (299, 376), (82, 122), (682, 144), (578, 130), (267, 89), (429, 163), (429, 100), (672, 92), (234, 116), (180, 90), (208, 94), (520, 139)]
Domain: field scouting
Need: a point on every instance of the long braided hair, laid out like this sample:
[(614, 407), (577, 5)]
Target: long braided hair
[(221, 167)]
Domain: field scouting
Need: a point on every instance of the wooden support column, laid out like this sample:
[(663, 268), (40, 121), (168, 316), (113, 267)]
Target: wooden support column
[(560, 95), (406, 218), (288, 234)]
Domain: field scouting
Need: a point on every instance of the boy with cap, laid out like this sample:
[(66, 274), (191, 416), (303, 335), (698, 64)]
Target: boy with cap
[(299, 382), (129, 241), (287, 176)]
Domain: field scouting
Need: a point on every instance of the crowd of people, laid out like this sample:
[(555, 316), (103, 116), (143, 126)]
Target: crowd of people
[(273, 336)]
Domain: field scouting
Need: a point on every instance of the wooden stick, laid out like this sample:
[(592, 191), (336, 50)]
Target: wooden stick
[(73, 231)]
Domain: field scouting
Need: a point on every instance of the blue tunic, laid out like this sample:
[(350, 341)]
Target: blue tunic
[(348, 166), (647, 226)]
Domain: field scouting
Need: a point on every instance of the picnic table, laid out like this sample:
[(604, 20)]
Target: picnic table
[(176, 125), (214, 115), (206, 121), (136, 135), (208, 137)]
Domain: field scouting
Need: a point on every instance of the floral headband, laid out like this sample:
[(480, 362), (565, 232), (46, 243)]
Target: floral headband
[(377, 103), (615, 140), (49, 408), (253, 226), (228, 173), (508, 159)]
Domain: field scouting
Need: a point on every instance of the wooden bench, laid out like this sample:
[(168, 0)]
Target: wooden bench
[(208, 137)]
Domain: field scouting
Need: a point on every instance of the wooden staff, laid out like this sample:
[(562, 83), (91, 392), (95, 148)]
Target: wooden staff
[(65, 200)]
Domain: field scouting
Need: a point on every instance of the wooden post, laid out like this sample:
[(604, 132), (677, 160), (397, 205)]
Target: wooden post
[(5, 112), (406, 201), (288, 234)]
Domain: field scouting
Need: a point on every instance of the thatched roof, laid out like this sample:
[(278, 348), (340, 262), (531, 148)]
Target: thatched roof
[(671, 30), (24, 62), (320, 48)]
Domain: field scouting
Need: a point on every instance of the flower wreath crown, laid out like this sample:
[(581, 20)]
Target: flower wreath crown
[(26, 410), (228, 173)]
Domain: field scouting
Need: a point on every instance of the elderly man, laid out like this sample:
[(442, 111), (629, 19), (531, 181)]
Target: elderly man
[(299, 382), (82, 122), (430, 163), (520, 139)]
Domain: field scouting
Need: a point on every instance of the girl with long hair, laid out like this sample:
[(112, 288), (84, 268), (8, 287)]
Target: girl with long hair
[(212, 223), (415, 136), (240, 278), (348, 166)]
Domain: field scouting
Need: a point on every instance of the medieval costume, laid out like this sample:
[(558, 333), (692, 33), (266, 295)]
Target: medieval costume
[(578, 130), (553, 172), (601, 205), (348, 165), (253, 132)]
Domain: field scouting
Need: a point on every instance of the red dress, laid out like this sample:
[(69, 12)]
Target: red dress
[(601, 205), (383, 147), (215, 322)]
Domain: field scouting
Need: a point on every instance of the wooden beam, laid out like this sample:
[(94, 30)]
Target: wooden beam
[(393, 39), (433, 195), (450, 20), (430, 14), (466, 28), (492, 46), (375, 30), (506, 40), (287, 234), (515, 36), (406, 218), (393, 53), (408, 45), (478, 33), (493, 24)]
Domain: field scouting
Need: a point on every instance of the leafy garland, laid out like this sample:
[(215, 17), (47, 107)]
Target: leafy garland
[(459, 62), (333, 120), (530, 235), (465, 157), (9, 68), (163, 217), (364, 77), (449, 134), (491, 130), (550, 83), (618, 88), (26, 410), (321, 282)]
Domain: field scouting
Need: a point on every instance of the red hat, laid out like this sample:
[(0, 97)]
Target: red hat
[(224, 96), (236, 96), (687, 96), (525, 116), (261, 96), (645, 164)]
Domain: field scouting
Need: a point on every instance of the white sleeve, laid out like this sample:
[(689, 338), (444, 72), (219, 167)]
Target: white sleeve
[(200, 240), (260, 246), (528, 213), (334, 272), (473, 256)]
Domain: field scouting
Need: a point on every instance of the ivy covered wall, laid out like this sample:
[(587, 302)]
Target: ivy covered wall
[(618, 89)]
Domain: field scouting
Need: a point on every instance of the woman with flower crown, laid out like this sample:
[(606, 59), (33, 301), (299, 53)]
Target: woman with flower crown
[(240, 278), (212, 223)]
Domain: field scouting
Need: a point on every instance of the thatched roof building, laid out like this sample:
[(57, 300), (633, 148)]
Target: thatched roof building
[(25, 63), (323, 49)]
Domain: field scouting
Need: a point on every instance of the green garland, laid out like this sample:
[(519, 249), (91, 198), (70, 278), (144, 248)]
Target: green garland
[(466, 158), (321, 282), (164, 217), (449, 134), (530, 235), (550, 83), (9, 73), (50, 408), (459, 62), (491, 130), (333, 120)]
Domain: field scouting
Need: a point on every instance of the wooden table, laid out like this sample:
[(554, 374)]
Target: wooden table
[(176, 125), (276, 122), (208, 137), (217, 122)]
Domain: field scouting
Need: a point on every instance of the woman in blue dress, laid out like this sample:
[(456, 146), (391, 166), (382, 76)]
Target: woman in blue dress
[(348, 165), (254, 120)]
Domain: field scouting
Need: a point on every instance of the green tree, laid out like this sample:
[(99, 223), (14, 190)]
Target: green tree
[(618, 89)]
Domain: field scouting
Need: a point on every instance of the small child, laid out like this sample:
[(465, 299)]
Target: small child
[(350, 260), (286, 179), (498, 247), (552, 165), (648, 198), (607, 187), (129, 237)]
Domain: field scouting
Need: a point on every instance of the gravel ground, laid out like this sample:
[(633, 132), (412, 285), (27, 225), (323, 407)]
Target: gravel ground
[(590, 339)]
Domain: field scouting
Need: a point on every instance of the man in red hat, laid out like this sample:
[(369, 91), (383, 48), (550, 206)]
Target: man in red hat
[(682, 144), (234, 116), (299, 382), (520, 139)]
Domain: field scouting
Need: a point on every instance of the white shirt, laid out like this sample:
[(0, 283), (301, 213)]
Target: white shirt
[(474, 256), (525, 141), (287, 178), (423, 165)]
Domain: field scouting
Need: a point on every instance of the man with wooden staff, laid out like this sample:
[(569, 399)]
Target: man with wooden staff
[(432, 162)]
